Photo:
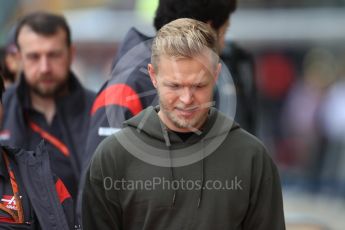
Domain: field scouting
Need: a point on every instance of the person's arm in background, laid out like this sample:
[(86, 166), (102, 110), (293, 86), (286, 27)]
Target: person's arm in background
[(241, 65)]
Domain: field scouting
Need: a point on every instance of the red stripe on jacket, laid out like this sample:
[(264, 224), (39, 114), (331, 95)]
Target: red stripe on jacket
[(118, 94), (50, 138), (62, 191), (6, 220)]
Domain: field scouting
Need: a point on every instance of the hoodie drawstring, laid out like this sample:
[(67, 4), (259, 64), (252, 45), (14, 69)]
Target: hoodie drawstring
[(202, 174), (172, 176)]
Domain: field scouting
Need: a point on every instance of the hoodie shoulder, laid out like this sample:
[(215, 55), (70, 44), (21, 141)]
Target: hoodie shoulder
[(109, 159), (248, 145), (102, 154), (257, 155), (108, 144), (247, 137)]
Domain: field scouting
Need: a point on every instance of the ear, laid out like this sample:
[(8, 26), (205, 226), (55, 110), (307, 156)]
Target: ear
[(152, 74)]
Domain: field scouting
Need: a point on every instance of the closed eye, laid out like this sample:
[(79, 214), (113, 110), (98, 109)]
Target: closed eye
[(199, 86), (32, 56), (173, 86)]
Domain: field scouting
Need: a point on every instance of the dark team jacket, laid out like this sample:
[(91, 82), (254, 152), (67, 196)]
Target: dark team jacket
[(128, 92), (24, 127), (242, 67), (41, 201)]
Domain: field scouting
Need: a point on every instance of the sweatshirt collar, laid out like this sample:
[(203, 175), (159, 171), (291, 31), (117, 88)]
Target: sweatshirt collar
[(146, 122)]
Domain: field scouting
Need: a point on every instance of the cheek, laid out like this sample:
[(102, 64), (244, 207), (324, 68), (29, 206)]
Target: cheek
[(31, 72), (61, 74), (60, 65), (205, 95), (170, 98), (59, 71)]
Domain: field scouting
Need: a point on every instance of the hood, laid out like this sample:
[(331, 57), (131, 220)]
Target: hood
[(132, 39), (132, 58)]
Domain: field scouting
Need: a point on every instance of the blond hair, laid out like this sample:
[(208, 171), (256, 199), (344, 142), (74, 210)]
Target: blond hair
[(184, 37)]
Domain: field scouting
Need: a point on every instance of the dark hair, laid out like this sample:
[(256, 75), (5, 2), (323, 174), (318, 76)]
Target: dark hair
[(44, 23), (214, 11)]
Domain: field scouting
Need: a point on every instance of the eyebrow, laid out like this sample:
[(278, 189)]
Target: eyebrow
[(169, 82)]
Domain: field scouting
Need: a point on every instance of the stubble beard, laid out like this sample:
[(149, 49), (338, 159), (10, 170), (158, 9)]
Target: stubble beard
[(178, 121), (53, 92)]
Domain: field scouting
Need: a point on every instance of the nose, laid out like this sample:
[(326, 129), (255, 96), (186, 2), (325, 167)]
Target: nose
[(44, 65), (186, 96)]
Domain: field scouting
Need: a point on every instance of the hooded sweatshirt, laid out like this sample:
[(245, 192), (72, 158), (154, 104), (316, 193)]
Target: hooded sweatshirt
[(145, 177)]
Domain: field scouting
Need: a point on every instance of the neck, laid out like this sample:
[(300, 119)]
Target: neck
[(44, 105)]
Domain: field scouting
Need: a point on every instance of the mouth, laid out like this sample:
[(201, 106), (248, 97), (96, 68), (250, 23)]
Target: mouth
[(187, 112), (47, 82)]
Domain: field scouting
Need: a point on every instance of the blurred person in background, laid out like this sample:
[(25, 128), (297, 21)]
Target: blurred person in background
[(6, 74), (31, 196), (333, 124), (242, 68), (49, 102), (9, 60), (301, 119)]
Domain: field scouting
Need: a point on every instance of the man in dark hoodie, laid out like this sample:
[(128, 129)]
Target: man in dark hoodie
[(130, 89), (31, 197), (183, 164)]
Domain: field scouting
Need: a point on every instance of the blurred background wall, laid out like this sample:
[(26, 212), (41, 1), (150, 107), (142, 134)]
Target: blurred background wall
[(299, 53)]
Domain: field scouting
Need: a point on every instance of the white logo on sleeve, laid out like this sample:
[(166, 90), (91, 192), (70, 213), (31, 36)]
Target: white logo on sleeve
[(107, 131)]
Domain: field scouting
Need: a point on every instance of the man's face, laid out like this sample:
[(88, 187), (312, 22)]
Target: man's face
[(185, 90), (46, 61)]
